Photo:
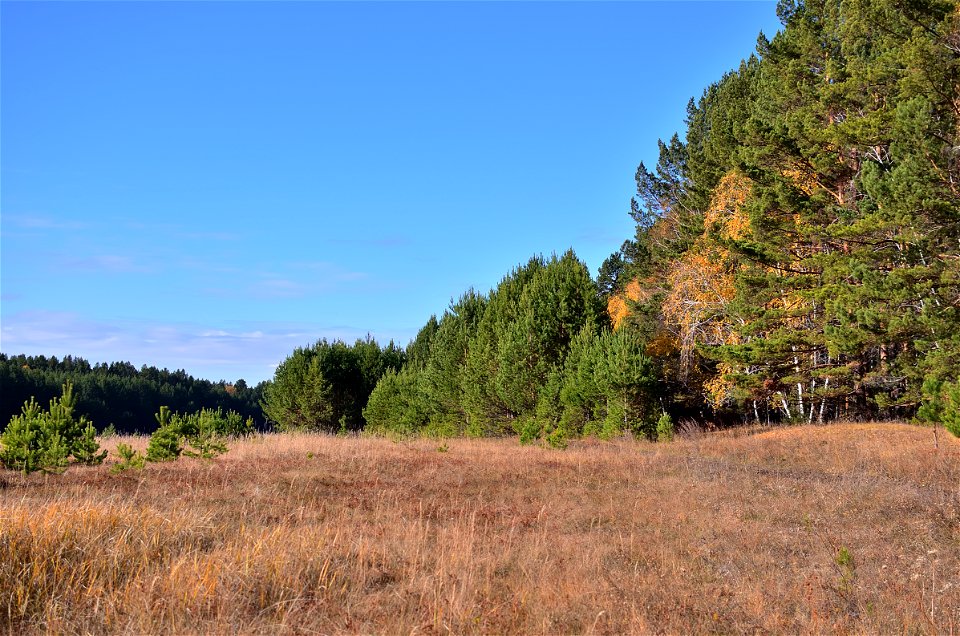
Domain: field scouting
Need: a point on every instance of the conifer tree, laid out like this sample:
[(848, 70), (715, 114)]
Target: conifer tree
[(418, 351), (21, 442), (525, 332), (326, 386), (201, 431), (848, 150), (166, 443), (442, 381), (396, 404), (45, 440), (86, 449)]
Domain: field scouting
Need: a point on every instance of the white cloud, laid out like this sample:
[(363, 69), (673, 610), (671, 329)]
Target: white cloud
[(112, 263), (41, 222), (231, 351)]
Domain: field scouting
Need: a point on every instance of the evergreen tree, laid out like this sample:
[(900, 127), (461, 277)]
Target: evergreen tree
[(326, 386), (86, 449), (118, 393), (298, 397), (854, 230), (554, 306), (397, 403), (443, 379), (166, 443), (486, 412), (418, 351), (45, 440), (525, 332), (21, 442)]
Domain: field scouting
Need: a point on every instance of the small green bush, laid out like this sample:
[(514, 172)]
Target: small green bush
[(199, 434), (166, 443), (665, 428), (557, 434), (529, 429), (204, 437), (606, 428), (615, 422), (55, 454), (129, 458), (558, 437), (20, 444), (45, 440), (229, 423), (86, 450), (593, 428)]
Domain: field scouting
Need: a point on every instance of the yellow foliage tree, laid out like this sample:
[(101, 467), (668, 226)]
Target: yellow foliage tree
[(701, 285), (725, 214), (618, 306), (701, 282)]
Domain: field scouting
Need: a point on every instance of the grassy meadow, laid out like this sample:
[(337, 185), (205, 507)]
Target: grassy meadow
[(845, 528)]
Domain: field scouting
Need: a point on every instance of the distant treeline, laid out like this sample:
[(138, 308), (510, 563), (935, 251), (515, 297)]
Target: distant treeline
[(118, 393)]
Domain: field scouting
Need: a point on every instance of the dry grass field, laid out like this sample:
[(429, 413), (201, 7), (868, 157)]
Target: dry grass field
[(839, 529)]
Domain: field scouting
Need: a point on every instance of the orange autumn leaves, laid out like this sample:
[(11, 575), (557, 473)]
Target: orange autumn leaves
[(617, 305), (699, 284), (725, 214)]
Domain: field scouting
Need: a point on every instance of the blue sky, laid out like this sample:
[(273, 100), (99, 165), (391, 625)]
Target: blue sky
[(209, 185)]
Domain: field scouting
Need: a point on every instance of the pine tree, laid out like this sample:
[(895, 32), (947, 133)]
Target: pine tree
[(853, 212), (396, 404), (525, 332), (442, 381), (20, 443), (45, 440), (86, 449), (326, 386), (129, 459), (418, 351), (166, 443), (202, 435)]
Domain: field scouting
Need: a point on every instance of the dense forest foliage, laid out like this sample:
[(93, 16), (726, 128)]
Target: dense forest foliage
[(797, 255), (796, 258), (536, 357), (118, 393), (324, 387)]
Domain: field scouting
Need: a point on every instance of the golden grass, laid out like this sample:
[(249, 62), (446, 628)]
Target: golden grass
[(846, 528)]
